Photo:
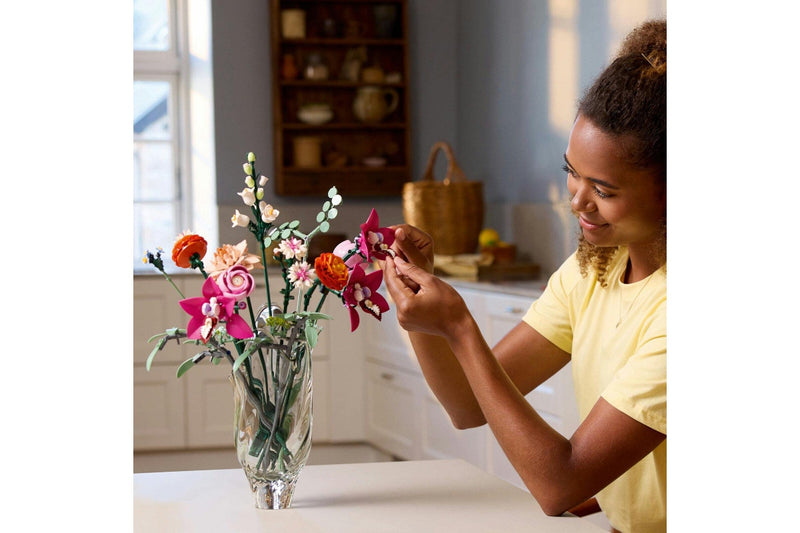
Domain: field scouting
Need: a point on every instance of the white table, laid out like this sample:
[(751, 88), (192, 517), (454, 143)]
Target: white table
[(413, 496)]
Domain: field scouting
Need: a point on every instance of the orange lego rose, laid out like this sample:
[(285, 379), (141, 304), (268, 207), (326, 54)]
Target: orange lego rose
[(331, 271), (186, 246)]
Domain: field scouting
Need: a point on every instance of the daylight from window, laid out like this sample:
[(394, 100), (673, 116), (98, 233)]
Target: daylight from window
[(156, 195)]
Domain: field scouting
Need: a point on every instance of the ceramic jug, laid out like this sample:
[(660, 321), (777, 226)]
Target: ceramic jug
[(372, 103)]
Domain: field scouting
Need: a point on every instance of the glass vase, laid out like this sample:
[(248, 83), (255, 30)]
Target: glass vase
[(272, 419)]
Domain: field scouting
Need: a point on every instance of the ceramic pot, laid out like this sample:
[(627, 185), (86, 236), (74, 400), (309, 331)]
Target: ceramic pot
[(293, 23), (307, 152), (373, 104)]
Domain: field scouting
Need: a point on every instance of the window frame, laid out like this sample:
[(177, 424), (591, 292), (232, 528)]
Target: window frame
[(172, 65)]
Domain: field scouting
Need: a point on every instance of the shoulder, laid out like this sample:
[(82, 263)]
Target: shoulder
[(568, 275)]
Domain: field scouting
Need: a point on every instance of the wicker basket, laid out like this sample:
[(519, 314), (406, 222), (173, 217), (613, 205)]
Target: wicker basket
[(451, 210)]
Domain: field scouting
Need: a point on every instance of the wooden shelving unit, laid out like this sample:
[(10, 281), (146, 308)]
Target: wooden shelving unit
[(361, 158)]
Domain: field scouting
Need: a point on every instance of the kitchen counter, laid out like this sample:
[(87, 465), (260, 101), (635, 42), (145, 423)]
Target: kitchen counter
[(529, 288), (413, 496)]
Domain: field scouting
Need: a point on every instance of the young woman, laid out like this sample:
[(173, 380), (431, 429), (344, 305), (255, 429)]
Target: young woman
[(604, 310)]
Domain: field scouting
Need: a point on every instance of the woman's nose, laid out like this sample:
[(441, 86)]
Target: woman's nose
[(581, 201)]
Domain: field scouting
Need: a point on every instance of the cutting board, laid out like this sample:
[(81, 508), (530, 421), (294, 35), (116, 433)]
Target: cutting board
[(476, 268), (508, 271)]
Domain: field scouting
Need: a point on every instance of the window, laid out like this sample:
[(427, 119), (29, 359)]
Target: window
[(161, 206)]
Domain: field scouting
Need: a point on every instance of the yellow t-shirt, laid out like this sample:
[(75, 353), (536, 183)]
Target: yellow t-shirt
[(617, 336)]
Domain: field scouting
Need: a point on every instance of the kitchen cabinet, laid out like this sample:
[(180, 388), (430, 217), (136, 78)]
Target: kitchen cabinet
[(158, 408), (195, 411), (554, 400), (159, 398), (405, 418), (394, 401), (340, 96)]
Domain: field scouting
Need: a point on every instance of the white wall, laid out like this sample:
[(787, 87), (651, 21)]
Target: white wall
[(522, 66)]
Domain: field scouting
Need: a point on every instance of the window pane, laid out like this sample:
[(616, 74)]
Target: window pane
[(153, 226), (150, 25), (153, 177), (151, 116)]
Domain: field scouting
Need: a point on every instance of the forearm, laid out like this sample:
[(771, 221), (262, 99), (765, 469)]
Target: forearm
[(541, 456), (446, 379)]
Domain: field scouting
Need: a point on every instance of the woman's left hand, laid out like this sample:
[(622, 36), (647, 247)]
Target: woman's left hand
[(431, 306)]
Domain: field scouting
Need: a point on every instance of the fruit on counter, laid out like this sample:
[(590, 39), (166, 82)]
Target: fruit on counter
[(488, 237)]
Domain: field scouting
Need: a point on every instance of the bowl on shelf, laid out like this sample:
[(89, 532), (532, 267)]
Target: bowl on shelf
[(374, 162), (315, 114)]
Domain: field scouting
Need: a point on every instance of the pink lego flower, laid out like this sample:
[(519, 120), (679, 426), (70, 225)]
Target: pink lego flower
[(236, 282), (362, 291), (375, 241), (209, 310)]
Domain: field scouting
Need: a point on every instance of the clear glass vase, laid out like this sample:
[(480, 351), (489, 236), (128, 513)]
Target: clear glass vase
[(272, 419)]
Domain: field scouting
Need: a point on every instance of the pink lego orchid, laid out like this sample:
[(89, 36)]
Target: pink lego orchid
[(362, 291), (343, 250), (209, 310), (375, 241)]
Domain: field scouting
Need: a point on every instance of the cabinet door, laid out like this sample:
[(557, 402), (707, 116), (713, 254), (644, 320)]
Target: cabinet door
[(441, 440), (393, 410), (209, 405), (345, 375), (158, 409), (554, 399), (387, 342), (155, 309), (321, 401)]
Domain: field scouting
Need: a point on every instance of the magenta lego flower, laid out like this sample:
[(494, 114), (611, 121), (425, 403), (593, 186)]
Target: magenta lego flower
[(362, 291), (375, 241), (209, 310), (236, 282)]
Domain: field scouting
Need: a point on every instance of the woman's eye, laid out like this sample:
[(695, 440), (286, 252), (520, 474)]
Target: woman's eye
[(601, 194), (568, 170)]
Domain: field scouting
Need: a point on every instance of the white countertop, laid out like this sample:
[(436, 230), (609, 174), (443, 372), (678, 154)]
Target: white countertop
[(528, 288), (413, 496)]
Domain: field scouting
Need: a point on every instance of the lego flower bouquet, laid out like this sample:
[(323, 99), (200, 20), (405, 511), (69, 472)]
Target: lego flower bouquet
[(269, 346)]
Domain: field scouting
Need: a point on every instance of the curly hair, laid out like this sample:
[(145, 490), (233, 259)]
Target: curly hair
[(629, 102)]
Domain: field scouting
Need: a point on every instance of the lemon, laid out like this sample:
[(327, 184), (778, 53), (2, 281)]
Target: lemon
[(488, 237)]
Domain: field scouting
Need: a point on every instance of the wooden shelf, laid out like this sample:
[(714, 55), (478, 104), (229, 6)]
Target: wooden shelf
[(335, 31), (343, 41), (350, 181), (299, 126), (336, 84), (345, 169), (294, 3)]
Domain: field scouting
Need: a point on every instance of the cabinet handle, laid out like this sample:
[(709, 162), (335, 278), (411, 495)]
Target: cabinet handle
[(514, 310), (387, 376)]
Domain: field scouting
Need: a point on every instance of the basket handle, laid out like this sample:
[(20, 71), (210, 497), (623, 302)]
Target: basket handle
[(453, 173)]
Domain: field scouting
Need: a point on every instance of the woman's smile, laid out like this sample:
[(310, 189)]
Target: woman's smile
[(590, 226)]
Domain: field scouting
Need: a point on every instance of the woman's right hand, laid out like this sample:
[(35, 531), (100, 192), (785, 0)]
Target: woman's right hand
[(413, 246), (423, 302)]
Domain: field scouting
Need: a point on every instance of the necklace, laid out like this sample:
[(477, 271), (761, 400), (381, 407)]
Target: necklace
[(628, 310)]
